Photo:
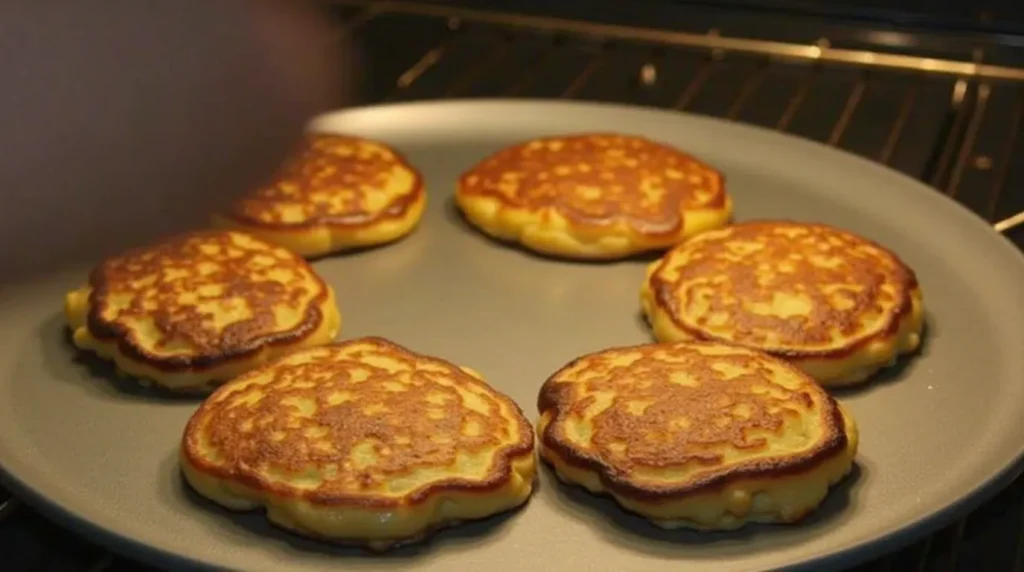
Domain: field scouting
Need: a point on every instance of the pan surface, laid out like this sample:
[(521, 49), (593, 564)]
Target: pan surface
[(938, 433)]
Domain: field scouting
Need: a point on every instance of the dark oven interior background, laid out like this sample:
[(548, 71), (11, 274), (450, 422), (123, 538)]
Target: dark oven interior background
[(934, 89)]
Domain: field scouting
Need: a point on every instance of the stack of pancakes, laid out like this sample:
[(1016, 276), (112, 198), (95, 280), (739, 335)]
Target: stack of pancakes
[(725, 420)]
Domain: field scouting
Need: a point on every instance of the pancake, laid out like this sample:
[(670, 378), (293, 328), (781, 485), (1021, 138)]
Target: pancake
[(336, 193), (200, 308), (362, 442), (593, 196), (834, 304), (695, 434)]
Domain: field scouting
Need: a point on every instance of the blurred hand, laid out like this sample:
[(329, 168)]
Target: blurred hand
[(126, 119)]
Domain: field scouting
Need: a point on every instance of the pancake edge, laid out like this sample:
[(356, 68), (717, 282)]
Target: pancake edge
[(201, 484)]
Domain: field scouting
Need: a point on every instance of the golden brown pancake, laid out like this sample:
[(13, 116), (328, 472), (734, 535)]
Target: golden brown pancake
[(363, 442), (593, 196), (338, 192), (695, 434), (835, 304), (199, 308)]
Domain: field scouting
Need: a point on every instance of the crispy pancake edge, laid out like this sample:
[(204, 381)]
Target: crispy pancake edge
[(108, 332), (551, 400), (397, 209), (663, 294), (496, 478), (471, 193)]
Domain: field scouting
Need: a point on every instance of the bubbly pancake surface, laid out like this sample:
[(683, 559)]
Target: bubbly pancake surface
[(835, 304), (337, 192), (199, 308), (593, 195), (695, 434), (362, 442)]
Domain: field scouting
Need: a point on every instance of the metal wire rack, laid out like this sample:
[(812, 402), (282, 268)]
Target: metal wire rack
[(948, 119)]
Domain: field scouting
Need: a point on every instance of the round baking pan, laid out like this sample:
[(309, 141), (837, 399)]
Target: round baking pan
[(940, 431)]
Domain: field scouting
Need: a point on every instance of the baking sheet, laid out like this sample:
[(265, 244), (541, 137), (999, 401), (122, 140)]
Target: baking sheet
[(938, 433)]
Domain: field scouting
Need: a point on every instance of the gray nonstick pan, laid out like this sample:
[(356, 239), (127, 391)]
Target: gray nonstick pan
[(940, 432)]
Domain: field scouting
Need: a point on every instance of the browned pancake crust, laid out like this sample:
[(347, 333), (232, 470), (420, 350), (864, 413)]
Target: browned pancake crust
[(212, 347), (348, 424), (317, 166), (648, 379), (557, 173), (737, 279)]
